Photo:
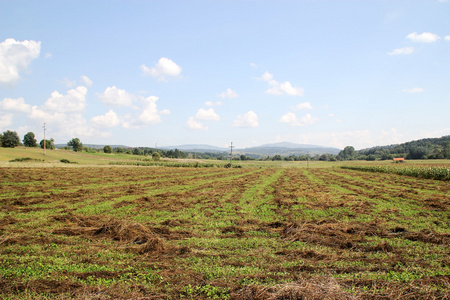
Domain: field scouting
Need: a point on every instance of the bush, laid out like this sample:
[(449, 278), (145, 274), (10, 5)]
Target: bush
[(66, 161)]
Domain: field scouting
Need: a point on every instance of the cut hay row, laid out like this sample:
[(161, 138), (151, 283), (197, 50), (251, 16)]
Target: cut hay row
[(172, 164)]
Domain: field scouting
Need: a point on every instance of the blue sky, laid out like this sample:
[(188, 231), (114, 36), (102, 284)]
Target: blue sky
[(140, 73)]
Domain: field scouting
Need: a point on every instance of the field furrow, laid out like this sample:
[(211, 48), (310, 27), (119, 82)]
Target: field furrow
[(209, 233)]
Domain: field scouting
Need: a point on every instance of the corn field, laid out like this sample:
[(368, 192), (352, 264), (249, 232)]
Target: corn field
[(437, 173)]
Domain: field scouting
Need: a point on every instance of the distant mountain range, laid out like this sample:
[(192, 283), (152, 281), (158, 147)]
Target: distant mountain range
[(283, 148)]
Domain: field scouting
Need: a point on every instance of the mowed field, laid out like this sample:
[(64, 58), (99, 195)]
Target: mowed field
[(116, 232)]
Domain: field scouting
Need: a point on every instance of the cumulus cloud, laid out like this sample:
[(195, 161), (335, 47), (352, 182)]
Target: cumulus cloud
[(426, 37), (163, 69), (291, 119), (116, 97), (202, 115), (229, 93), (15, 105), (278, 88), (194, 124), (250, 119), (16, 56), (5, 120), (447, 38), (207, 114), (304, 105), (109, 119), (400, 51), (414, 90), (65, 124), (73, 101), (150, 113)]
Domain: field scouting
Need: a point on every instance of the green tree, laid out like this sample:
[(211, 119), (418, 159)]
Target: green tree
[(76, 144), (447, 150), (10, 139), (156, 156), (49, 144), (347, 154), (107, 149), (277, 157), (29, 140)]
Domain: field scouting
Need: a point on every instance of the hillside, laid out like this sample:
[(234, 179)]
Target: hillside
[(428, 148)]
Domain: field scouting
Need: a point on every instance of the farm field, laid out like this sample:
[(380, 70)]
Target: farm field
[(213, 233)]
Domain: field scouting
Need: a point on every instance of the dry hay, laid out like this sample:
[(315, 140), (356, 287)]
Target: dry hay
[(314, 288), (142, 239)]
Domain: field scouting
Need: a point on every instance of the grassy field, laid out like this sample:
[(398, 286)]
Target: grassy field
[(259, 232)]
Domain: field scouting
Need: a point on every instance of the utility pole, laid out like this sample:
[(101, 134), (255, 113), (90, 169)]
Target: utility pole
[(45, 152), (307, 157), (231, 154)]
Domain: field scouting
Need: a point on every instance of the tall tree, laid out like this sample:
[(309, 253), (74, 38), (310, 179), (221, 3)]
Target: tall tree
[(76, 144), (347, 154), (10, 139), (29, 140), (49, 144)]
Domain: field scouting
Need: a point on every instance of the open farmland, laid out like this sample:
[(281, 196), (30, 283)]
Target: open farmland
[(214, 233)]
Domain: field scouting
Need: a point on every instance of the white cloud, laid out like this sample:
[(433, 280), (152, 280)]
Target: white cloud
[(193, 124), (5, 120), (210, 103), (447, 38), (116, 97), (16, 105), (163, 69), (267, 77), (150, 113), (250, 119), (229, 93), (74, 100), (414, 90), (109, 119), (426, 37), (15, 57), (207, 114), (87, 82), (253, 65), (292, 119), (281, 88), (304, 105), (399, 51)]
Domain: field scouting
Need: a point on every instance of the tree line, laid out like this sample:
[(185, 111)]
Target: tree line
[(431, 148)]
